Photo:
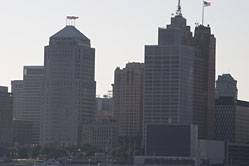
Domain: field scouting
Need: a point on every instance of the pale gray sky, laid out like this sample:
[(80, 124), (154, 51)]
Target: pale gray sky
[(118, 30)]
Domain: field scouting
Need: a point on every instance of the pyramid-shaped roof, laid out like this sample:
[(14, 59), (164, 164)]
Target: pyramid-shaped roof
[(69, 32)]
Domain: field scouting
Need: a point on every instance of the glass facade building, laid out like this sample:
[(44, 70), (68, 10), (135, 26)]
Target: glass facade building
[(168, 78)]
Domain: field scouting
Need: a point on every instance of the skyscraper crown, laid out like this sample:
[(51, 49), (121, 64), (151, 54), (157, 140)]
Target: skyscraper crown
[(69, 34)]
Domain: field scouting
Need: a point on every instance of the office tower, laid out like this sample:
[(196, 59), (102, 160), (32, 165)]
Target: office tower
[(128, 103), (226, 85), (17, 92), (27, 96), (168, 79), (68, 87), (232, 120), (32, 88), (104, 108), (6, 117), (204, 82)]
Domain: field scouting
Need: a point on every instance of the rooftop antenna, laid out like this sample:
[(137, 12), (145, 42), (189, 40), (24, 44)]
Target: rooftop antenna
[(179, 9), (70, 20)]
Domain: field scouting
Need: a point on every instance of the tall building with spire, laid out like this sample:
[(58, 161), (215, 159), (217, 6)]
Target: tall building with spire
[(69, 87), (168, 76), (179, 83)]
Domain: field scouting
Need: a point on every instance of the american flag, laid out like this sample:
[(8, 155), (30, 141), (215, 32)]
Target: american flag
[(206, 4)]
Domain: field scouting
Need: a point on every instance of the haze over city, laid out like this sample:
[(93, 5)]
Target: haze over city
[(118, 31)]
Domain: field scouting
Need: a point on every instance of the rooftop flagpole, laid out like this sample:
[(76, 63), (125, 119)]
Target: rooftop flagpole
[(205, 4), (203, 7)]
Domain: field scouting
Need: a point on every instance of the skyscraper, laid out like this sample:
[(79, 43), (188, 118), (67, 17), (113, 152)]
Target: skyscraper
[(68, 87), (168, 79), (128, 103), (27, 95), (179, 84), (32, 88), (204, 82), (226, 85), (6, 117)]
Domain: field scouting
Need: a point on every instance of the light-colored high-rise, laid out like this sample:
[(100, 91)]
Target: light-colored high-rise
[(68, 88)]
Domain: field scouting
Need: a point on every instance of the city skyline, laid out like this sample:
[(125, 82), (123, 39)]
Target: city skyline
[(111, 35)]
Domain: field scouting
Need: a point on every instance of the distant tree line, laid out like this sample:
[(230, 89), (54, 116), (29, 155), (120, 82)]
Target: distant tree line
[(49, 152)]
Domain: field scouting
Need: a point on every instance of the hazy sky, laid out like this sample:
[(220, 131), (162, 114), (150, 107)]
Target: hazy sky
[(118, 30)]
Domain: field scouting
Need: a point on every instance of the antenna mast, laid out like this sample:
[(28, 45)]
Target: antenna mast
[(179, 9)]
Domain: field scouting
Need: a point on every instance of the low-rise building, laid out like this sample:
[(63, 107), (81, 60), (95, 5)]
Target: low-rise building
[(100, 134)]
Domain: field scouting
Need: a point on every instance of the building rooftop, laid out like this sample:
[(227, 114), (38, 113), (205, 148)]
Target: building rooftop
[(226, 77), (69, 32), (227, 100), (3, 89)]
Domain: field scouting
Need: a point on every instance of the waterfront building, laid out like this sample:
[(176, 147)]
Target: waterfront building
[(168, 76), (68, 87)]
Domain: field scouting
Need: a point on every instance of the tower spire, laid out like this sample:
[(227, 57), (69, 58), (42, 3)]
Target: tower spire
[(179, 9)]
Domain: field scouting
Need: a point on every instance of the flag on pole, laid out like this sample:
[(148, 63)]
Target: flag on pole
[(72, 17), (206, 4)]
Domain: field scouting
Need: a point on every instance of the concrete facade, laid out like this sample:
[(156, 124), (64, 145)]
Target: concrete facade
[(128, 103)]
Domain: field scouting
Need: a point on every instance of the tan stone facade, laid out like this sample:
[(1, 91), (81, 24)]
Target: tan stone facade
[(128, 103)]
